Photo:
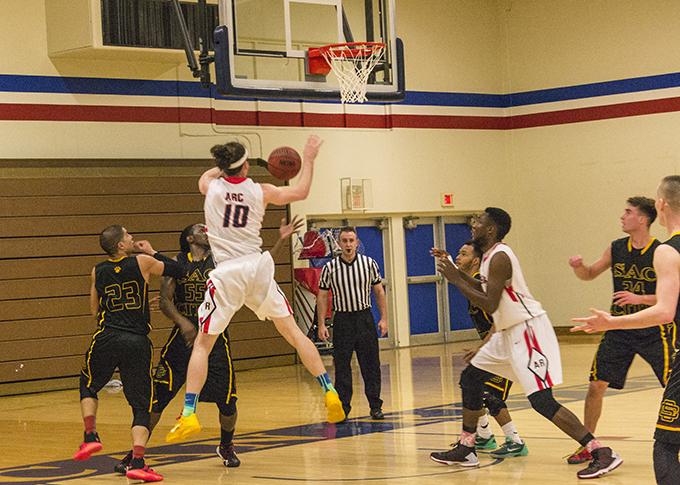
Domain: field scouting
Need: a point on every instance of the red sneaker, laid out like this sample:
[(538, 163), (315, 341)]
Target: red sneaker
[(86, 450), (581, 455), (146, 474)]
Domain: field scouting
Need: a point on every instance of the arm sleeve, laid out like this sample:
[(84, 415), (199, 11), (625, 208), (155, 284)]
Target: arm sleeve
[(170, 266)]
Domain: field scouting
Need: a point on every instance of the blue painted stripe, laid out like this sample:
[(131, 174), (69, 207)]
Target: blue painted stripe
[(140, 87), (607, 88)]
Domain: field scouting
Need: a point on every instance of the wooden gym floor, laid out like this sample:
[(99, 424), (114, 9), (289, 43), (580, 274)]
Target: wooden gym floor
[(281, 436)]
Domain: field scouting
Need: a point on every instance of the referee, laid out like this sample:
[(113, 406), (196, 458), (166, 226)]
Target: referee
[(350, 277)]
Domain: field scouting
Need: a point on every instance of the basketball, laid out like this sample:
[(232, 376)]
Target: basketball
[(284, 163)]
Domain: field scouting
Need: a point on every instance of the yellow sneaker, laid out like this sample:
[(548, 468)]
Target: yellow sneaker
[(186, 426), (334, 407)]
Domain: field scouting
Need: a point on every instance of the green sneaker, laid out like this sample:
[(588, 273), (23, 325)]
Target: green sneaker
[(485, 443), (510, 449)]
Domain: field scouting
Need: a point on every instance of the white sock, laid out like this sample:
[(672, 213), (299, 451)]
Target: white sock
[(483, 428), (511, 432)]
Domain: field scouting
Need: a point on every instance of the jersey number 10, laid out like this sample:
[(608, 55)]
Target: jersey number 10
[(236, 215)]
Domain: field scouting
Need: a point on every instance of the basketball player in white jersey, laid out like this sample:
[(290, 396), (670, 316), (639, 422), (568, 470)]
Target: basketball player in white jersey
[(234, 208), (523, 346)]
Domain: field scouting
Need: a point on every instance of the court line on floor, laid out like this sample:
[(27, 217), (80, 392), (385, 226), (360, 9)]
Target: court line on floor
[(46, 473)]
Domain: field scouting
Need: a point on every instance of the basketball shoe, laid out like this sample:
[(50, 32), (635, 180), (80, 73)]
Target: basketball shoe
[(90, 445), (458, 455), (186, 426), (581, 455), (510, 449), (122, 466), (486, 444), (228, 455), (604, 461), (335, 412), (146, 474)]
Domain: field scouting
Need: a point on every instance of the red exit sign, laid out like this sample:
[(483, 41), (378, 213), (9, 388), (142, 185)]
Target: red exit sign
[(447, 199)]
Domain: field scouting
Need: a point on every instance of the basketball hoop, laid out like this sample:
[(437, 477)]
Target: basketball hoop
[(351, 63)]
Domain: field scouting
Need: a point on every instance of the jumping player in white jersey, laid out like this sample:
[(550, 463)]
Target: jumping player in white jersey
[(234, 208), (523, 346)]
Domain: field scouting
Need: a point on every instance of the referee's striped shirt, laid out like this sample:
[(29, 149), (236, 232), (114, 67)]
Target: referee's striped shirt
[(350, 283)]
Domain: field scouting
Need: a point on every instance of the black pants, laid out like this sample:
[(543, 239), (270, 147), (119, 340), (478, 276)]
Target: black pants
[(355, 331)]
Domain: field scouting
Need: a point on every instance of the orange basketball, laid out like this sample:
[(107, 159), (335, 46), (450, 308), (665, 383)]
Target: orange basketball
[(284, 163)]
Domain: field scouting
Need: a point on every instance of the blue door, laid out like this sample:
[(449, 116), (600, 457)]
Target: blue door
[(372, 243), (422, 279)]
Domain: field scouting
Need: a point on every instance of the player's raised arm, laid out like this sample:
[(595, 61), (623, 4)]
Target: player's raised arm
[(587, 273), (292, 193), (207, 177), (667, 268)]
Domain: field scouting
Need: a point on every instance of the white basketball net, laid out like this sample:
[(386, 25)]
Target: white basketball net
[(352, 64)]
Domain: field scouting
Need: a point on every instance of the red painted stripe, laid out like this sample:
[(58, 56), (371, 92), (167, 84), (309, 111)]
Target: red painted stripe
[(578, 115), (541, 386), (538, 347), (153, 114), (451, 122)]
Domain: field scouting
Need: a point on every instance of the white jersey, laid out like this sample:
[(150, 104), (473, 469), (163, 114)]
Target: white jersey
[(234, 210), (517, 304)]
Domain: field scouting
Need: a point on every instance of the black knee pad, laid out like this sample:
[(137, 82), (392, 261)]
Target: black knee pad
[(84, 390), (141, 417), (544, 403), (494, 404), (227, 409), (472, 383)]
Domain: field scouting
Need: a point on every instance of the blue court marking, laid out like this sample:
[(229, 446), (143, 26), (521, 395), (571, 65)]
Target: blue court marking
[(46, 473)]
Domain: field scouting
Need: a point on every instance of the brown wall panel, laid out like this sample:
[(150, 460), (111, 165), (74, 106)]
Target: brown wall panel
[(49, 243), (80, 285)]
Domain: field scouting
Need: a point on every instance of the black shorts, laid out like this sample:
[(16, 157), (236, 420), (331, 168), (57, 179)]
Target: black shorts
[(668, 423), (129, 352), (171, 373), (618, 347), (498, 387)]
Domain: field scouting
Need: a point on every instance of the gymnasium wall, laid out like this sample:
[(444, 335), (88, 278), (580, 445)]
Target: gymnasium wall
[(598, 77), (557, 111), (77, 115)]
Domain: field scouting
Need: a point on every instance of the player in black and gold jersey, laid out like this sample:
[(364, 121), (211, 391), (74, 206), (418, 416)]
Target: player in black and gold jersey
[(631, 262), (180, 299), (119, 301), (497, 388), (666, 308)]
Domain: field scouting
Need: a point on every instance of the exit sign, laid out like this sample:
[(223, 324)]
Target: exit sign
[(447, 199)]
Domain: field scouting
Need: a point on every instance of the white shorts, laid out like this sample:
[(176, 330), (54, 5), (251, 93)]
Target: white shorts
[(249, 281), (527, 353)]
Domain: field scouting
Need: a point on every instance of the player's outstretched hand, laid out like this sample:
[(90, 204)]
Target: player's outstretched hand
[(576, 261), (469, 355), (439, 253), (626, 298), (599, 321), (312, 148), (145, 247), (287, 230), (155, 303), (448, 269)]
